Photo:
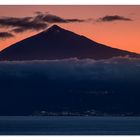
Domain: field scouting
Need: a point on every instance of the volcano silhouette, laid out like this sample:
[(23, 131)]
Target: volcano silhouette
[(58, 43)]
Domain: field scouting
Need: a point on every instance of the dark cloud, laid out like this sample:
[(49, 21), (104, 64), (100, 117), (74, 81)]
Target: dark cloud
[(50, 18), (42, 20), (113, 18), (5, 35), (36, 23), (22, 24), (76, 20), (18, 30)]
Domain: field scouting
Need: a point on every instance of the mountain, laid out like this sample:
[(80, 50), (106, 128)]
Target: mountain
[(58, 43)]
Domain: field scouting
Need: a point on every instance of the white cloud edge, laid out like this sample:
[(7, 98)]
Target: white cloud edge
[(74, 69)]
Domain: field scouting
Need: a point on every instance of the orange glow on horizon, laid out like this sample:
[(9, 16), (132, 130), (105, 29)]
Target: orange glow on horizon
[(118, 34)]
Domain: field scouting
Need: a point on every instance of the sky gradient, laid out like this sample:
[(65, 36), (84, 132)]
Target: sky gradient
[(115, 26)]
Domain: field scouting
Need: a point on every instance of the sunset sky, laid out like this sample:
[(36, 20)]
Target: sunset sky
[(116, 26)]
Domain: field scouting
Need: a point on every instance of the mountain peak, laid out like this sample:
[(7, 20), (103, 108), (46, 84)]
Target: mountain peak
[(54, 28), (59, 43)]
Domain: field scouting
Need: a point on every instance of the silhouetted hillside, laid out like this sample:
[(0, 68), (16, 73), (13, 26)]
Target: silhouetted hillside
[(58, 43)]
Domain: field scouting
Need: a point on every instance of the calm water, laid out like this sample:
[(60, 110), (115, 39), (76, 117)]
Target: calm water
[(69, 125)]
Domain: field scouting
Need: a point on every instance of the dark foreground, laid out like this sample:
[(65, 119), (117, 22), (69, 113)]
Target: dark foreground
[(69, 125)]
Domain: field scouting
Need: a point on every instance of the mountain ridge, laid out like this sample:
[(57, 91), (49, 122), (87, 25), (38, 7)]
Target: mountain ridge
[(59, 43)]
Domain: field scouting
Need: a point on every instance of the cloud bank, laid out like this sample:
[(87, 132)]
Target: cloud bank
[(86, 69)]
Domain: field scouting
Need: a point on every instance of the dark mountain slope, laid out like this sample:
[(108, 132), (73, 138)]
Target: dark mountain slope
[(58, 43)]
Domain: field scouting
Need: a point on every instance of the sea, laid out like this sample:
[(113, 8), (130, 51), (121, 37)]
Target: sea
[(69, 125)]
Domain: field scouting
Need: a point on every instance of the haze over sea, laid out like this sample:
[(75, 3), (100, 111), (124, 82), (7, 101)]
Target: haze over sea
[(58, 125)]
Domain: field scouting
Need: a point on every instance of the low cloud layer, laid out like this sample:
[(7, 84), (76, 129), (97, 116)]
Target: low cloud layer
[(87, 69), (111, 18)]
